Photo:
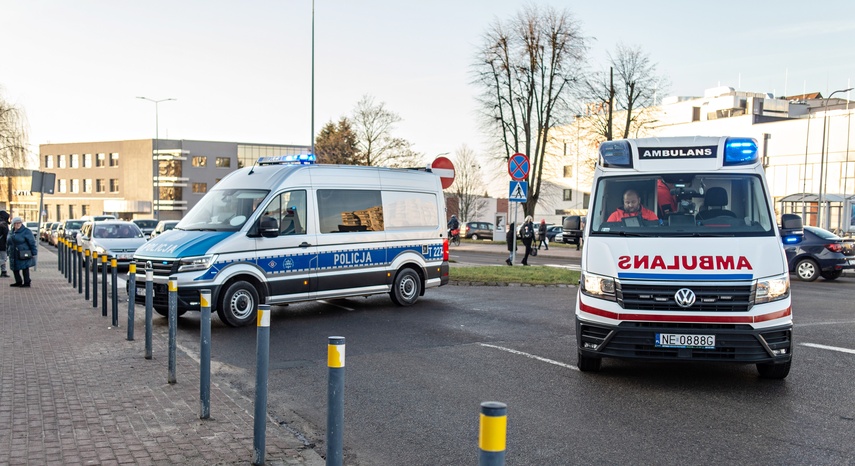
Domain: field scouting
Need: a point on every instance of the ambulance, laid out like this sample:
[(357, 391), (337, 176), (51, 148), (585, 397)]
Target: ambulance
[(287, 230), (683, 258)]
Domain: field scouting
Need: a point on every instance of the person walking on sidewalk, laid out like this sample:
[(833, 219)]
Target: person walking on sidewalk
[(541, 233), (4, 231), (527, 237), (22, 250), (512, 244)]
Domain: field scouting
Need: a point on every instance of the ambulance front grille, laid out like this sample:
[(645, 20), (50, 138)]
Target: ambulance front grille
[(662, 297)]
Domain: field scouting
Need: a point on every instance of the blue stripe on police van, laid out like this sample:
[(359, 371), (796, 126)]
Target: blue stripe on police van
[(687, 276)]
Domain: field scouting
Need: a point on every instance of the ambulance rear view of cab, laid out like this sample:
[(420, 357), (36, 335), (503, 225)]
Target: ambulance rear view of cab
[(683, 259)]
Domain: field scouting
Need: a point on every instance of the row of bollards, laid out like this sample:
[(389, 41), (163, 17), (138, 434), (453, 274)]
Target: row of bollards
[(75, 263)]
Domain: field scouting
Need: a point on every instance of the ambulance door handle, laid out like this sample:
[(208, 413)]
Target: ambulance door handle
[(304, 244)]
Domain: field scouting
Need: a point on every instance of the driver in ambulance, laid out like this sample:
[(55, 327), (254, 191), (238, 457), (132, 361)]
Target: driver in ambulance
[(632, 208)]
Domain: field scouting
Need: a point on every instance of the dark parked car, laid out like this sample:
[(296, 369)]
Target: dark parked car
[(162, 227), (551, 231), (477, 230), (820, 253), (572, 228), (147, 225), (69, 229)]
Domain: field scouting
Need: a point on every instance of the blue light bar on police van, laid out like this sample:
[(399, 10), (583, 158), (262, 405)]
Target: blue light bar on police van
[(294, 159), (740, 151), (616, 154)]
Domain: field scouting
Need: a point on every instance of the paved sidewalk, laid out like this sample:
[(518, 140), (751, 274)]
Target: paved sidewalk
[(73, 390)]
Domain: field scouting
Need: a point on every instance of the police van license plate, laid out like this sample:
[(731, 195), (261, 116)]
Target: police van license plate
[(677, 340), (141, 291)]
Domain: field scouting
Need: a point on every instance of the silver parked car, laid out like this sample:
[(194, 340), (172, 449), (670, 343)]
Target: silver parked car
[(115, 238)]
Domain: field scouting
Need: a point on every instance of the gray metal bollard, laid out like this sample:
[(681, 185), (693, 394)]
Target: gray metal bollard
[(335, 401), (132, 293), (114, 268), (74, 265), (173, 325), (79, 255), (492, 433), (59, 256), (104, 285), (86, 272), (149, 298), (95, 261), (69, 270), (205, 355), (262, 359)]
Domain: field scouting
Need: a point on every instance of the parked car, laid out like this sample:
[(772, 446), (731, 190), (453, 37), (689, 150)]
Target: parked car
[(820, 253), (572, 228), (69, 229), (44, 231), (476, 230), (551, 231), (147, 225), (559, 237), (115, 238), (163, 226), (53, 234)]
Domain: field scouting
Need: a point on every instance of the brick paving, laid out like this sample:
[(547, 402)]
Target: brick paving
[(73, 390)]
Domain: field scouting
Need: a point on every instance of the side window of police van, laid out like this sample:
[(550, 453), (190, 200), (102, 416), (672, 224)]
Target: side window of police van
[(350, 210), (289, 211)]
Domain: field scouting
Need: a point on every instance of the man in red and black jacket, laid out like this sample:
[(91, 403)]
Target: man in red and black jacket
[(632, 208)]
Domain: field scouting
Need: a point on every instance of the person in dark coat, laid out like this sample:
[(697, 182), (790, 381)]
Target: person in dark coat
[(512, 244), (4, 231), (19, 243), (541, 235)]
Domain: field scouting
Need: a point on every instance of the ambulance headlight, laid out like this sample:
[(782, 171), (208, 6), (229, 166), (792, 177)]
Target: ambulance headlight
[(598, 286), (772, 289), (189, 264)]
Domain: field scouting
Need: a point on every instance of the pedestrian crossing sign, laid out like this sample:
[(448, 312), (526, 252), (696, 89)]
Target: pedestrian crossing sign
[(518, 191)]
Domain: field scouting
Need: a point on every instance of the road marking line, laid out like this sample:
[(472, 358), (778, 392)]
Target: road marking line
[(832, 348), (549, 361)]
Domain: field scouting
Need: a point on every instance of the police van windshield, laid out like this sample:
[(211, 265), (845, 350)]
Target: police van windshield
[(694, 205), (223, 210)]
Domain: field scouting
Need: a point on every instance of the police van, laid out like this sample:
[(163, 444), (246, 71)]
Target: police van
[(683, 258), (289, 230)]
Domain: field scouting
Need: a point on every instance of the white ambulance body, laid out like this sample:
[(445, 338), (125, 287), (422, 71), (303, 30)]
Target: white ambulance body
[(288, 230), (700, 276)]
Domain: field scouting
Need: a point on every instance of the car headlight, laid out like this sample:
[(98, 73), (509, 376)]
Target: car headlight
[(101, 250), (598, 286), (188, 264), (772, 289)]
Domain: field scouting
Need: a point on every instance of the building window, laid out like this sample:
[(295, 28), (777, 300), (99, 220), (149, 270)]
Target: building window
[(60, 161), (114, 159), (62, 185), (171, 194), (75, 160), (87, 160), (568, 194), (48, 161), (200, 187), (568, 171), (224, 162), (100, 160), (71, 211), (200, 161), (84, 210), (99, 186), (87, 186), (114, 185), (75, 186), (586, 199)]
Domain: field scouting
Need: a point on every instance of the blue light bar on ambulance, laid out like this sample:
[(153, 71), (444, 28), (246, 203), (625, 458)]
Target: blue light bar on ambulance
[(616, 154), (294, 159), (740, 151)]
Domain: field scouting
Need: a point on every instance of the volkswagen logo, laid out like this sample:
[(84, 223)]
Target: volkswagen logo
[(684, 297)]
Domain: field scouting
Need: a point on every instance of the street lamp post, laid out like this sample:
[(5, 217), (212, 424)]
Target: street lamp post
[(155, 203), (823, 150)]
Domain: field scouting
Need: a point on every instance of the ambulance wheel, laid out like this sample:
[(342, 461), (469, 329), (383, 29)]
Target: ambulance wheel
[(589, 363), (238, 304), (407, 288), (164, 311), (807, 270), (774, 371)]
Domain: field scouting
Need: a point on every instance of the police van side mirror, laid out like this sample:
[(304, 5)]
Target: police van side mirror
[(268, 227), (792, 229)]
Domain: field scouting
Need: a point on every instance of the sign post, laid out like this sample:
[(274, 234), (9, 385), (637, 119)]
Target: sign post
[(518, 168)]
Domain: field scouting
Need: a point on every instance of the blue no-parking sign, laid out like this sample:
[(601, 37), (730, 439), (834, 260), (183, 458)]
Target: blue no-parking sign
[(518, 166)]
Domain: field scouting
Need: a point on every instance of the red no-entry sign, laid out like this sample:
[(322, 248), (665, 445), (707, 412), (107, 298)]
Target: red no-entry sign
[(445, 169)]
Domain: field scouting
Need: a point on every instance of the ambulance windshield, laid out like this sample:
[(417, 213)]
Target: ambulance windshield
[(223, 210), (697, 204)]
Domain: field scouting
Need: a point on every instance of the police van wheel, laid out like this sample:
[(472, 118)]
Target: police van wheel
[(407, 288), (238, 304), (589, 363)]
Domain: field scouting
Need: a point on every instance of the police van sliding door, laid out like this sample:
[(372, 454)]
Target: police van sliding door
[(290, 259)]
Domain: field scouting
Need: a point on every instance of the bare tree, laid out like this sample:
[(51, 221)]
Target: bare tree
[(13, 137), (337, 143), (373, 124), (527, 70), (629, 88), (468, 184)]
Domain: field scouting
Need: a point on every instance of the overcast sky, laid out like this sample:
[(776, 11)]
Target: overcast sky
[(242, 70)]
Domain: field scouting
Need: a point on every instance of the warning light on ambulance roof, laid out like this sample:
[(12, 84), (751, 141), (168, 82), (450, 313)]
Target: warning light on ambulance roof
[(294, 159), (740, 151), (616, 154)]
